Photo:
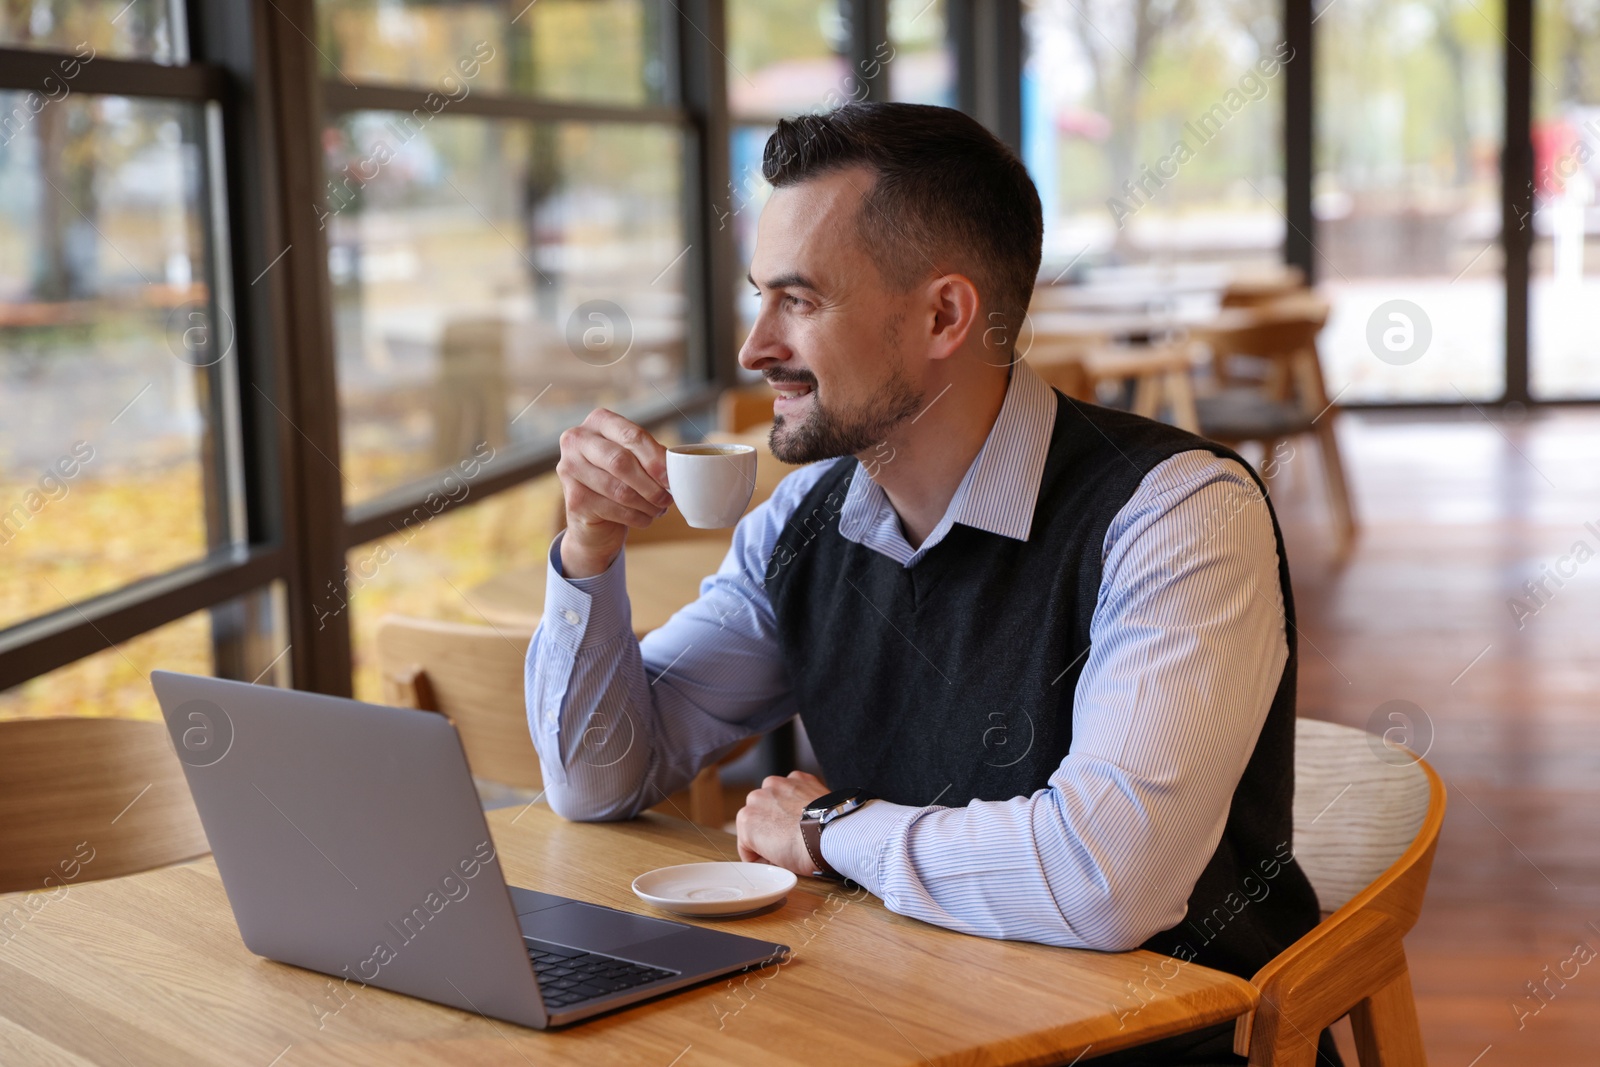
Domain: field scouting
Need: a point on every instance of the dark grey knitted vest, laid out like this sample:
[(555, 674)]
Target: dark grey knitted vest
[(953, 680)]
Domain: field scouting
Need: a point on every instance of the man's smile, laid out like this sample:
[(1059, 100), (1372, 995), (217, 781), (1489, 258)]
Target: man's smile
[(791, 395)]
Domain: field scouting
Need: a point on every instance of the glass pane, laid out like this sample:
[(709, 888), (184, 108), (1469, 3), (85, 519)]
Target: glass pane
[(787, 57), (923, 70), (242, 639), (1409, 100), (107, 355), (1154, 131), (140, 29), (1566, 144), (606, 51), (747, 193), (494, 281), (430, 569)]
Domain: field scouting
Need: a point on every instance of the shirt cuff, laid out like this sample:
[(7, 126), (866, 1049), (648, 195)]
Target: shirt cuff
[(583, 613), (853, 845)]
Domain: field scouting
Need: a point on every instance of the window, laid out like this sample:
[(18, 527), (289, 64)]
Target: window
[(923, 68), (141, 29), (597, 51), (272, 289), (495, 281), (1566, 210), (814, 55), (508, 247), (1407, 198), (123, 505), (1153, 131), (199, 447), (112, 358), (782, 60)]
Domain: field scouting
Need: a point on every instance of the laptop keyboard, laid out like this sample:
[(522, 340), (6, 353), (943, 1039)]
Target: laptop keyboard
[(569, 975)]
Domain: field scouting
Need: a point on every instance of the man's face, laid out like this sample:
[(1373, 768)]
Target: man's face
[(831, 334)]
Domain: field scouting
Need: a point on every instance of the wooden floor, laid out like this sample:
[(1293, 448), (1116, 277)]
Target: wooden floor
[(1457, 513)]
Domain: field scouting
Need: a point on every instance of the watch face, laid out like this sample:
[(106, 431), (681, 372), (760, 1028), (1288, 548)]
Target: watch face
[(831, 800)]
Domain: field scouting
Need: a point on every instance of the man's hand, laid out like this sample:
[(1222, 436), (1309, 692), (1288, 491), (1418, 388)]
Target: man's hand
[(613, 476), (769, 823)]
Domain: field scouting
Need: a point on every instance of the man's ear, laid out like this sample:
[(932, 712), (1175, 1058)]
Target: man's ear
[(953, 300)]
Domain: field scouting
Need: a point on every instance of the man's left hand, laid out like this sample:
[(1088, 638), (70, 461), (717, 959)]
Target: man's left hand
[(769, 823)]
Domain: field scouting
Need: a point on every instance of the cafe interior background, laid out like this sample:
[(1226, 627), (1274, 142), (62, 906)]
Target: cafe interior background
[(295, 298)]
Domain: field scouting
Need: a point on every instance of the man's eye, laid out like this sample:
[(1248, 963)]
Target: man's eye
[(794, 301)]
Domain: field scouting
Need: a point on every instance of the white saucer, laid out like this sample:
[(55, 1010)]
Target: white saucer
[(714, 888)]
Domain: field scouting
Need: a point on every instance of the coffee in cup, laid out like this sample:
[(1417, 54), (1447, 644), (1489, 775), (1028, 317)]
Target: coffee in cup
[(711, 483)]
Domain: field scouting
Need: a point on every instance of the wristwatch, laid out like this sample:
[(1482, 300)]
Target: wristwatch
[(818, 814)]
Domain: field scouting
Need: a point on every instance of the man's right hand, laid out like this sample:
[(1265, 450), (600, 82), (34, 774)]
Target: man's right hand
[(613, 476)]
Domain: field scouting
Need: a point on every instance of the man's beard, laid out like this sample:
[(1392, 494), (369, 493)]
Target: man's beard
[(828, 434)]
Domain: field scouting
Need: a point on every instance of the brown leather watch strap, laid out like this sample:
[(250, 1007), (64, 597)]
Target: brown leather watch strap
[(811, 833)]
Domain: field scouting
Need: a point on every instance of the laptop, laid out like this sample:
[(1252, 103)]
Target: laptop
[(351, 841)]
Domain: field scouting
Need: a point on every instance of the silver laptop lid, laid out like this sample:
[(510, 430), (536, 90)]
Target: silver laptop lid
[(351, 841)]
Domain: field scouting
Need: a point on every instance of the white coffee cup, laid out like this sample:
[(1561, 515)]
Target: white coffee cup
[(711, 483)]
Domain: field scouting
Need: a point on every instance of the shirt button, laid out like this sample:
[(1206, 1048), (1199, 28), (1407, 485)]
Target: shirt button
[(571, 616)]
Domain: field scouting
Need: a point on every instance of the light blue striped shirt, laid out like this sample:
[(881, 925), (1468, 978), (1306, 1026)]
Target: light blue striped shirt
[(1187, 648)]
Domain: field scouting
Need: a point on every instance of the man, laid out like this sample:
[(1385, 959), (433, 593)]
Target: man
[(1042, 649)]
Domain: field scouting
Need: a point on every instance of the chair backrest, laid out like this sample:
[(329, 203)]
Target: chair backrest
[(1359, 805), (1366, 824), (1277, 337), (745, 407), (1285, 336), (474, 675), (84, 799), (1257, 288), (1064, 370)]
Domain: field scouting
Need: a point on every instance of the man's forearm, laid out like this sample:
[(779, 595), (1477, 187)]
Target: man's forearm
[(594, 749), (620, 725), (591, 710)]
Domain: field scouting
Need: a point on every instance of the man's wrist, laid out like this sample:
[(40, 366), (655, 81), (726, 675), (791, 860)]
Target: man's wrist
[(811, 836), (579, 562), (855, 846), (821, 813)]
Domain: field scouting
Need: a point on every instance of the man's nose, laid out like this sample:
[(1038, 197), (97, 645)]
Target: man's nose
[(762, 346)]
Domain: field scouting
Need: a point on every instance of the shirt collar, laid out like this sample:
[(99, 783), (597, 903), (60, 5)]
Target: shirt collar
[(1000, 489)]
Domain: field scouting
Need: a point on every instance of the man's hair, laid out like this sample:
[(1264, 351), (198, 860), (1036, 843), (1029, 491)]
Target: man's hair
[(948, 195)]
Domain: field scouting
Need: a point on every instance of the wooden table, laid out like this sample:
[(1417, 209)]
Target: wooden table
[(149, 969), (663, 576)]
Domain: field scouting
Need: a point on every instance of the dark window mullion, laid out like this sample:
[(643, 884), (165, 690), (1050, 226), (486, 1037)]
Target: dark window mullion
[(42, 644), (298, 403), (1299, 138), (25, 70), (1516, 199)]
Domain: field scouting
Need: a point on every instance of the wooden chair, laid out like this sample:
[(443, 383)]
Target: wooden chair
[(1158, 376), (1366, 822), (745, 407), (474, 675), (1255, 289), (1288, 399), (84, 799)]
